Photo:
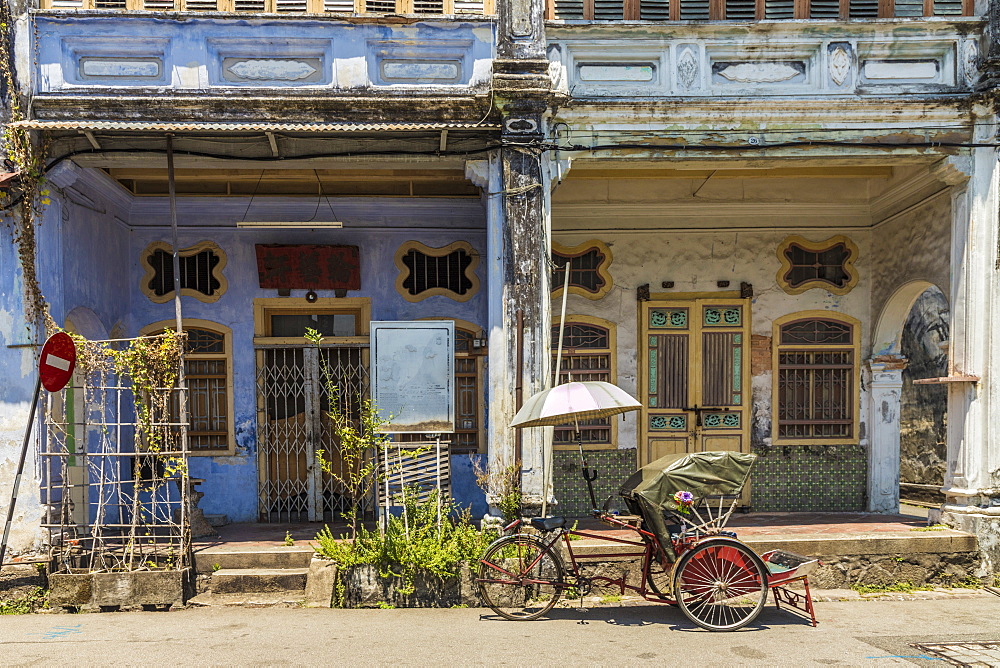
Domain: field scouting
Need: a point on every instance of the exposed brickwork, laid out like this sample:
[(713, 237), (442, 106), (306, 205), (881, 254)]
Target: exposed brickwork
[(760, 354)]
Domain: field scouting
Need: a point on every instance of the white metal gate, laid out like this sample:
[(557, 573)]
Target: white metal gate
[(292, 424)]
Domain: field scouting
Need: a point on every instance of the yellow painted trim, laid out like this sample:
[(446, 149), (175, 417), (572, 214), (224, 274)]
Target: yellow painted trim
[(695, 330), (815, 246), (404, 271), (480, 358), (855, 347), (686, 296), (263, 307), (612, 351), (227, 342), (602, 269), (184, 252)]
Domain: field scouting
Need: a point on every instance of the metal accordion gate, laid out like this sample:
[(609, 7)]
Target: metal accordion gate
[(293, 400)]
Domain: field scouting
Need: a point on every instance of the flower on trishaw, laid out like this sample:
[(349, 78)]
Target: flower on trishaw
[(684, 500)]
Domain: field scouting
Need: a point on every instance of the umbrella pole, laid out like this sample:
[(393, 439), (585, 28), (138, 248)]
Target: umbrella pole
[(589, 475)]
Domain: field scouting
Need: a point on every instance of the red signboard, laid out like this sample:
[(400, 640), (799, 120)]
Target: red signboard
[(309, 267), (55, 367)]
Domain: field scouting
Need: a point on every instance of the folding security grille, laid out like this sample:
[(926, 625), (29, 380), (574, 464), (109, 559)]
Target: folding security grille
[(293, 423)]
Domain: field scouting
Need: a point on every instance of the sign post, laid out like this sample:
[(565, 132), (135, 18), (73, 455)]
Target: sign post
[(55, 368)]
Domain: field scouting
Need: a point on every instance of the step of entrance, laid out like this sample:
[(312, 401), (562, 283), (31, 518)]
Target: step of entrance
[(260, 580), (228, 557), (936, 557), (942, 541), (247, 600)]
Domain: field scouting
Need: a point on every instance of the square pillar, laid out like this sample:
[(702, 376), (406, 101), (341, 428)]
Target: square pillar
[(518, 257), (883, 424)]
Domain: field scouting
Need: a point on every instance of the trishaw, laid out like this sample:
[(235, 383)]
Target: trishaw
[(678, 509)]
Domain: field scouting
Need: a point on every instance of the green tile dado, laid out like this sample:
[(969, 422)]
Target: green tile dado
[(790, 479), (785, 479), (573, 500)]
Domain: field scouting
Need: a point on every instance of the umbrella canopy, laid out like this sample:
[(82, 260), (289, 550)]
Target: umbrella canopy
[(573, 402)]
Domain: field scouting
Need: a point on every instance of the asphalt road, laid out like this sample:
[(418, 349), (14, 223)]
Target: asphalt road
[(858, 633)]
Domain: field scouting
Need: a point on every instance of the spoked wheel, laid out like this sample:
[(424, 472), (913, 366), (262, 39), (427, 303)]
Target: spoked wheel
[(520, 579), (658, 578), (721, 585)]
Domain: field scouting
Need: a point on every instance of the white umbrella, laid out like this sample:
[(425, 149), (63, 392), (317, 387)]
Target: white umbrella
[(573, 402)]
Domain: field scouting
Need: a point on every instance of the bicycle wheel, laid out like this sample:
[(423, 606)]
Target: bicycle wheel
[(658, 578), (721, 585), (520, 579)]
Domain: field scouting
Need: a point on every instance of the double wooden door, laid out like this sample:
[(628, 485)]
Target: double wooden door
[(694, 376)]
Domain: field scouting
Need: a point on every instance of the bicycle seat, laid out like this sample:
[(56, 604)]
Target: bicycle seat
[(548, 523)]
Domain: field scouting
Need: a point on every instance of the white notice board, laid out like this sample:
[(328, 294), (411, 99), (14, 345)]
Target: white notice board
[(414, 375)]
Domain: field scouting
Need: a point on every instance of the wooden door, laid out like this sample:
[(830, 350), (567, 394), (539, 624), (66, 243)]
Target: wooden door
[(694, 376)]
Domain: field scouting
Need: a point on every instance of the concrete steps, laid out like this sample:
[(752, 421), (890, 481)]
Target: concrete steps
[(229, 557), (259, 580), (252, 575)]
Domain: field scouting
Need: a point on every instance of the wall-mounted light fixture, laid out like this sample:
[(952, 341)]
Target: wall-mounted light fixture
[(288, 224)]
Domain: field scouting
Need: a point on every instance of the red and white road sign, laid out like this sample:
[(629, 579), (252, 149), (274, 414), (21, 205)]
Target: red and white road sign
[(57, 362)]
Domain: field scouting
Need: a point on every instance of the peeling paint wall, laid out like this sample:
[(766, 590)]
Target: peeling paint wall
[(18, 367), (912, 246), (232, 481), (695, 262), (90, 53)]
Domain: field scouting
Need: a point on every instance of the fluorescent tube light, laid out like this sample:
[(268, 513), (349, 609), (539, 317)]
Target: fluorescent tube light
[(287, 224)]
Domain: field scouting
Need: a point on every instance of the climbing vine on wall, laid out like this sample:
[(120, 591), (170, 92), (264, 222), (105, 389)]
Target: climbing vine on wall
[(22, 206), (150, 365)]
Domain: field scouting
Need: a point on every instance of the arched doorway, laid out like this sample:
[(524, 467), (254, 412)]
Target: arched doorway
[(923, 443)]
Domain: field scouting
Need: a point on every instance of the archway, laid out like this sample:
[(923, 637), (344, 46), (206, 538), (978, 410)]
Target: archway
[(923, 446), (889, 328)]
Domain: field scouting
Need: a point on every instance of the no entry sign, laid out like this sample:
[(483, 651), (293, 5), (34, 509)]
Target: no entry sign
[(58, 360)]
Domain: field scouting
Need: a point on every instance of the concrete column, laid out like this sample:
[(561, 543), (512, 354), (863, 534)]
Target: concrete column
[(883, 424), (972, 480), (518, 252)]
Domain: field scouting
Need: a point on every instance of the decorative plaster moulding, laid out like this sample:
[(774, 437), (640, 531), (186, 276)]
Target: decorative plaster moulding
[(272, 69), (237, 61), (760, 72)]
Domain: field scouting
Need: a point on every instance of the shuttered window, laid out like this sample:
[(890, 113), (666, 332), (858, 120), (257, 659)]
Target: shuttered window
[(743, 10)]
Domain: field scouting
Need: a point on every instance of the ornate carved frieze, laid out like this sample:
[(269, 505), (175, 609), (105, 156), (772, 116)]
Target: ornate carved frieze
[(687, 67), (840, 63), (970, 60), (760, 72), (271, 69)]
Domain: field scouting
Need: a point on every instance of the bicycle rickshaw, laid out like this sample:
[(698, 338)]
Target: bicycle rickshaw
[(679, 507)]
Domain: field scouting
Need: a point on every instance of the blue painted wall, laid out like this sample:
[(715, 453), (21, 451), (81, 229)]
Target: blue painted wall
[(231, 481), (199, 53)]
